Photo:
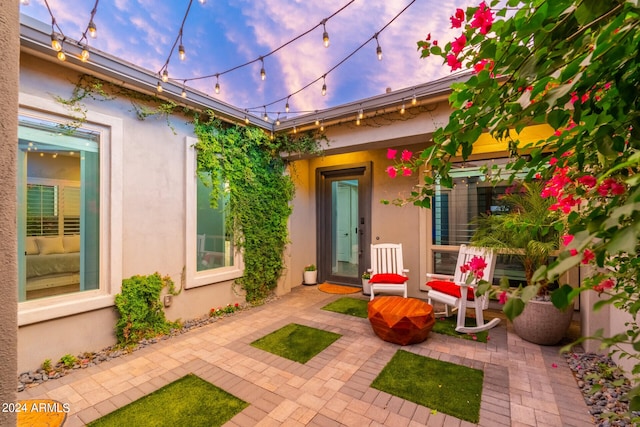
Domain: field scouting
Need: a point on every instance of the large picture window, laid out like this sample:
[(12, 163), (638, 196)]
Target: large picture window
[(214, 243), (453, 211), (58, 212)]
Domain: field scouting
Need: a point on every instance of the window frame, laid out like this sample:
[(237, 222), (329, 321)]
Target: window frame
[(111, 131), (213, 276)]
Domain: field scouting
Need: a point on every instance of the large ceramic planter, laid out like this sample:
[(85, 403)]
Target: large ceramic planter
[(310, 277), (542, 323)]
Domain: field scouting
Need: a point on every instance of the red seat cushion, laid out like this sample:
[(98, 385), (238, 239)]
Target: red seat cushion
[(449, 288), (388, 278)]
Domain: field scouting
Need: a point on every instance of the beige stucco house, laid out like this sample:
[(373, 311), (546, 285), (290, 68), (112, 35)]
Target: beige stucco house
[(125, 199)]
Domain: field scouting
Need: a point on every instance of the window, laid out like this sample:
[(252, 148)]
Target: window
[(210, 254), (58, 221), (214, 243), (453, 211)]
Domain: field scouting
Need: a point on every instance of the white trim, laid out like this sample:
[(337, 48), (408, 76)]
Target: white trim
[(200, 278), (111, 130)]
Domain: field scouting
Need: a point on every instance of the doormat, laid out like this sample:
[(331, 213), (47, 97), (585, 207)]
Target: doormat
[(330, 288)]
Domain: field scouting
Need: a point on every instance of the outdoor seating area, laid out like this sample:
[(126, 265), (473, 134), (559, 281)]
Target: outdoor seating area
[(524, 384)]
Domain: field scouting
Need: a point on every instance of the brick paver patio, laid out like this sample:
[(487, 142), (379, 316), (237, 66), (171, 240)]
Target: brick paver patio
[(525, 384)]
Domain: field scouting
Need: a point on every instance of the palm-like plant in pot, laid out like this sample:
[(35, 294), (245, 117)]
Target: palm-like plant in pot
[(528, 231)]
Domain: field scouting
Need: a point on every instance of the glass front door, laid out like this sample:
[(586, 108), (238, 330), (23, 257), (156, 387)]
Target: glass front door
[(344, 207)]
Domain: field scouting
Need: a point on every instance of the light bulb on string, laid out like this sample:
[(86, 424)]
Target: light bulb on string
[(324, 86), (263, 74), (325, 35), (278, 120), (181, 53), (358, 121), (84, 55), (286, 106), (360, 114), (246, 120), (184, 91), (378, 49), (402, 109), (414, 100), (93, 31), (266, 116), (55, 43), (62, 56), (295, 129), (165, 75), (159, 87), (317, 122), (322, 126), (217, 88)]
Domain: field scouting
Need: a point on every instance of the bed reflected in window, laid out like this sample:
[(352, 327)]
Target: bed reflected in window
[(58, 215)]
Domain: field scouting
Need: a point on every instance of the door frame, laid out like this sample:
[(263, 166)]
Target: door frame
[(363, 173)]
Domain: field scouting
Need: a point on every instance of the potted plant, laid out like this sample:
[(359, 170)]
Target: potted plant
[(366, 287), (527, 230), (310, 275)]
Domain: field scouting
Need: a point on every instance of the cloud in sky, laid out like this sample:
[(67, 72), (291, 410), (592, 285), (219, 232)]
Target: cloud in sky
[(221, 35)]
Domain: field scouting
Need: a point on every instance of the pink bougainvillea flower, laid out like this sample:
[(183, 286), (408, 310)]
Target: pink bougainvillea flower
[(483, 64), (605, 284), (392, 172), (566, 239), (553, 161), (611, 186), (406, 155), (457, 19), (482, 19), (588, 181), (458, 44), (502, 298), (453, 62), (538, 176), (406, 171), (391, 153), (573, 252), (587, 256)]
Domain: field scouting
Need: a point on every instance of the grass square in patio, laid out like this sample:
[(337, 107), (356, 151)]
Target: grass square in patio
[(446, 387), (296, 342), (351, 306), (189, 401)]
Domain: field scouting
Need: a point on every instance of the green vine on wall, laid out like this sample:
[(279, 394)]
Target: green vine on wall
[(260, 192), (90, 87), (141, 311)]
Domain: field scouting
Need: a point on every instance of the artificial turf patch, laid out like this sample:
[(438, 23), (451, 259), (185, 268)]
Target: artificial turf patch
[(446, 387), (351, 306), (447, 326), (296, 342), (189, 401)]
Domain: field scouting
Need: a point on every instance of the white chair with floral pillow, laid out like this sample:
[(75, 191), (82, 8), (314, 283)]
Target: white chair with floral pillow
[(387, 271), (448, 290)]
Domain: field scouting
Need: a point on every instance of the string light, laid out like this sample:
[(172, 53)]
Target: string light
[(263, 75), (266, 117), (360, 114), (217, 88), (378, 48), (317, 122), (181, 53), (62, 56), (414, 100), (165, 75), (246, 120), (278, 120), (322, 126), (324, 86), (184, 91), (358, 121), (286, 107), (55, 43), (325, 35), (402, 109), (93, 31), (159, 87), (84, 55), (295, 129)]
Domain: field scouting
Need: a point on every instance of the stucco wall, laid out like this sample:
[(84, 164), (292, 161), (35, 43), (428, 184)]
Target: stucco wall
[(152, 211), (9, 66)]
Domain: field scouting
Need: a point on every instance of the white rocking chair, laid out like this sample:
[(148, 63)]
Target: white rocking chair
[(387, 271), (457, 295)]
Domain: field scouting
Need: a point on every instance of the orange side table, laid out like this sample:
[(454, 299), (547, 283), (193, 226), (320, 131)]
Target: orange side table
[(401, 320)]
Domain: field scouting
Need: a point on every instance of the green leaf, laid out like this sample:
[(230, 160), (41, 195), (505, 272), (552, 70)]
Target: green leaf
[(513, 307), (558, 118), (560, 297)]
